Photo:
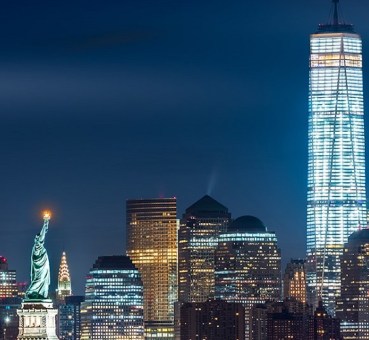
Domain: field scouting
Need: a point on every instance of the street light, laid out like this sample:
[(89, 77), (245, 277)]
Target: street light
[(6, 321)]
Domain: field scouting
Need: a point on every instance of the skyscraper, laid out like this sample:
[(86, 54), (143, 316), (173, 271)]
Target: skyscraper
[(247, 265), (8, 280), (336, 199), (353, 305), (69, 318), (64, 281), (113, 307), (198, 237), (152, 246), (294, 281)]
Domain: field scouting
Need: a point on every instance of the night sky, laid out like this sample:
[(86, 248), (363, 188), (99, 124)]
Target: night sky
[(102, 101)]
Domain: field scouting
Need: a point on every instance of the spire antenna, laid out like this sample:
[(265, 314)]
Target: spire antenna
[(335, 15)]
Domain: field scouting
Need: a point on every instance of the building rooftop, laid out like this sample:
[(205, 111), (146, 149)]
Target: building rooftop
[(247, 224), (362, 235), (206, 204), (114, 262), (337, 25)]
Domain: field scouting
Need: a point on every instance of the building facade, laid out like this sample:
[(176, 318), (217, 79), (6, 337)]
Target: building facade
[(152, 245), (353, 304), (248, 265), (336, 199), (198, 235), (113, 306), (212, 320), (8, 280), (294, 281), (69, 318), (64, 280)]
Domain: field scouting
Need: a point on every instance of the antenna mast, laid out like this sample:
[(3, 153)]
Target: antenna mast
[(335, 15)]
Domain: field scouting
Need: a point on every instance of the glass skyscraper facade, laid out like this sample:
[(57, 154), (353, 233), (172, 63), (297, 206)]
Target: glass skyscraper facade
[(69, 318), (336, 199), (113, 307), (8, 281), (353, 305), (152, 245), (198, 235), (247, 265)]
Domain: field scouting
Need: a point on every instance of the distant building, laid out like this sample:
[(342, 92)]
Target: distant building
[(69, 318), (8, 280), (9, 320), (248, 265), (326, 327), (292, 319), (198, 234), (152, 245), (353, 305), (294, 281), (113, 307), (64, 280), (212, 320)]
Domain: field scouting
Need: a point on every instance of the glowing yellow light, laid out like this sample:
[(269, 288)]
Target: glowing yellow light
[(47, 215)]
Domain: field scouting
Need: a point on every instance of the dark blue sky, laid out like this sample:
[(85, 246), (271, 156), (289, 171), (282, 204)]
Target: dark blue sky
[(101, 101)]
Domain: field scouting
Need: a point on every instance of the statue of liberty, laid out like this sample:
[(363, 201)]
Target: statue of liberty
[(40, 267)]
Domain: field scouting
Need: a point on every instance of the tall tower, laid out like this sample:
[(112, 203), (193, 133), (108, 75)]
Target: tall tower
[(152, 246), (336, 199), (198, 236), (247, 265), (64, 281)]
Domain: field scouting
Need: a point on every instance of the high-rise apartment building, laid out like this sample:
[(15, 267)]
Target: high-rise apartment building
[(353, 305), (198, 235), (294, 281), (113, 307), (152, 245), (247, 265), (69, 318), (64, 281), (8, 280), (336, 199)]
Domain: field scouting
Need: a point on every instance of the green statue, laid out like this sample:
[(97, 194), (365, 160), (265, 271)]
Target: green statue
[(40, 267)]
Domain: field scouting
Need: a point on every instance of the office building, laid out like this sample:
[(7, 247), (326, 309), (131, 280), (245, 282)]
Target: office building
[(326, 327), (353, 304), (69, 318), (248, 265), (294, 281), (64, 280), (8, 280), (152, 245), (198, 235), (113, 306), (212, 320), (290, 319), (336, 197)]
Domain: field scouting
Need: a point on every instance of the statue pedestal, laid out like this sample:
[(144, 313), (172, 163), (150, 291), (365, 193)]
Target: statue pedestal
[(37, 320)]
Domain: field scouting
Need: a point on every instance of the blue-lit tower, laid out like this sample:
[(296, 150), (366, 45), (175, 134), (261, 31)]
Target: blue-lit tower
[(336, 205), (113, 307)]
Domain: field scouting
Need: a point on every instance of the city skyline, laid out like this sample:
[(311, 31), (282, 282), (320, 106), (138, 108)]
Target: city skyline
[(241, 152)]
